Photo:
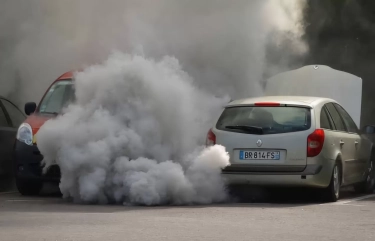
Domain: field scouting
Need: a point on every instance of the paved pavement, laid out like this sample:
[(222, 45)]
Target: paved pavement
[(48, 217)]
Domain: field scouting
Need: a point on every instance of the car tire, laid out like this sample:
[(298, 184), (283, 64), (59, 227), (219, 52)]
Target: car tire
[(368, 185), (332, 192), (29, 188)]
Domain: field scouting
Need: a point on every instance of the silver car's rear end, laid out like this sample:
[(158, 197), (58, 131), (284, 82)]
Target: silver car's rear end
[(272, 143)]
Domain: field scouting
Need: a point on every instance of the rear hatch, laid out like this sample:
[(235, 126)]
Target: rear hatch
[(265, 137)]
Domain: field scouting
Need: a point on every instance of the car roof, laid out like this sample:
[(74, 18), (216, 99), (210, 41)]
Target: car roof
[(68, 75), (293, 100)]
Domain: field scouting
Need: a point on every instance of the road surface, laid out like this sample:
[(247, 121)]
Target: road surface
[(48, 217)]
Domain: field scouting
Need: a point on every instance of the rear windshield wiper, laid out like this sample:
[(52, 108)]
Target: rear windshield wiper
[(248, 129)]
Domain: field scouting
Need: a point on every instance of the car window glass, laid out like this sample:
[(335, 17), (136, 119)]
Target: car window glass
[(57, 97), (271, 120), (14, 113), (324, 120), (3, 119), (350, 124), (336, 117)]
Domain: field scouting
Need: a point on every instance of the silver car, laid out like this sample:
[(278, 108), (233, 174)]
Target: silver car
[(294, 141)]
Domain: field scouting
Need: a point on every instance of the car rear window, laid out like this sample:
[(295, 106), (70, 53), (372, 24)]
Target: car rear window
[(264, 120)]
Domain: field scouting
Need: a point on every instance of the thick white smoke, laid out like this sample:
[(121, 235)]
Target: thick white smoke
[(222, 44), (134, 134)]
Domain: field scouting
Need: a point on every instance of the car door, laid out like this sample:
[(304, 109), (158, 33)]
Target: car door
[(16, 116), (358, 164), (330, 133), (344, 140), (7, 137)]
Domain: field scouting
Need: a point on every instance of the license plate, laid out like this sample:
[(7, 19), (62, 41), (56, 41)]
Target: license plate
[(259, 155)]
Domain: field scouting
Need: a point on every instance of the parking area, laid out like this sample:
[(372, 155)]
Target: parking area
[(49, 217)]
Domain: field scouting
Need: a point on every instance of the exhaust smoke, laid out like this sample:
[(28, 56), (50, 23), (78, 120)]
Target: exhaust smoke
[(224, 45), (136, 131), (134, 135)]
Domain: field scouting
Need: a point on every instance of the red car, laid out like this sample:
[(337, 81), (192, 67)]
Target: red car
[(27, 157)]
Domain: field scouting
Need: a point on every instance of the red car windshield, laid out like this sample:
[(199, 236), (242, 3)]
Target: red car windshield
[(58, 96)]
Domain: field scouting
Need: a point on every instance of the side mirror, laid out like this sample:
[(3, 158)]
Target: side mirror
[(368, 129), (30, 108)]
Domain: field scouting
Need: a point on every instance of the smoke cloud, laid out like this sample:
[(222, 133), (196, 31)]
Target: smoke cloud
[(134, 135), (137, 129), (221, 44)]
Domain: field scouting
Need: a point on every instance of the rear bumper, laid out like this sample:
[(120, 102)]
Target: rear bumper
[(27, 160), (312, 176)]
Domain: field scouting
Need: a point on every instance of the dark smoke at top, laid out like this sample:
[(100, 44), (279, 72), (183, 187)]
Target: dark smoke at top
[(228, 47), (340, 34)]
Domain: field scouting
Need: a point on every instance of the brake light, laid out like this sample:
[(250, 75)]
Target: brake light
[(315, 143), (211, 138), (267, 104)]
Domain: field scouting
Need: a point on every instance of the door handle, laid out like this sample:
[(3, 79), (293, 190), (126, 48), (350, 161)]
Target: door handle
[(356, 142), (342, 143)]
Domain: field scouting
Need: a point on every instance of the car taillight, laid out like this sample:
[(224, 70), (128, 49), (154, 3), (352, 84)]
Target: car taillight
[(315, 143), (211, 138), (267, 104)]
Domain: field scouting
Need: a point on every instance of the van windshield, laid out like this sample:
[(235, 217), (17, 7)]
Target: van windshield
[(58, 96), (264, 120)]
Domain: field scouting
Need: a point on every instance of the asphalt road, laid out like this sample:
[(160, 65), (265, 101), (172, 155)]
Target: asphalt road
[(278, 217)]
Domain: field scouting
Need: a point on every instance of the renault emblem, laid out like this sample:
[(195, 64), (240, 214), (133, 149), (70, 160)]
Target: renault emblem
[(259, 143)]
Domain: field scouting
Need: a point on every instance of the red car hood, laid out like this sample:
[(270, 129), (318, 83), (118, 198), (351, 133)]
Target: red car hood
[(37, 120)]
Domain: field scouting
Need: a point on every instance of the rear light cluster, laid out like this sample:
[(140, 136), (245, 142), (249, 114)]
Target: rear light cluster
[(315, 143), (211, 138), (267, 104)]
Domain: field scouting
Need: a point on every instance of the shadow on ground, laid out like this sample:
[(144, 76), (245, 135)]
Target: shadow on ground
[(7, 184), (289, 196), (250, 194), (50, 200)]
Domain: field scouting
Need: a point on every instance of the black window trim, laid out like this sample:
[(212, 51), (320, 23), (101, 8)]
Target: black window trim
[(342, 119), (330, 120), (6, 114), (330, 115)]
